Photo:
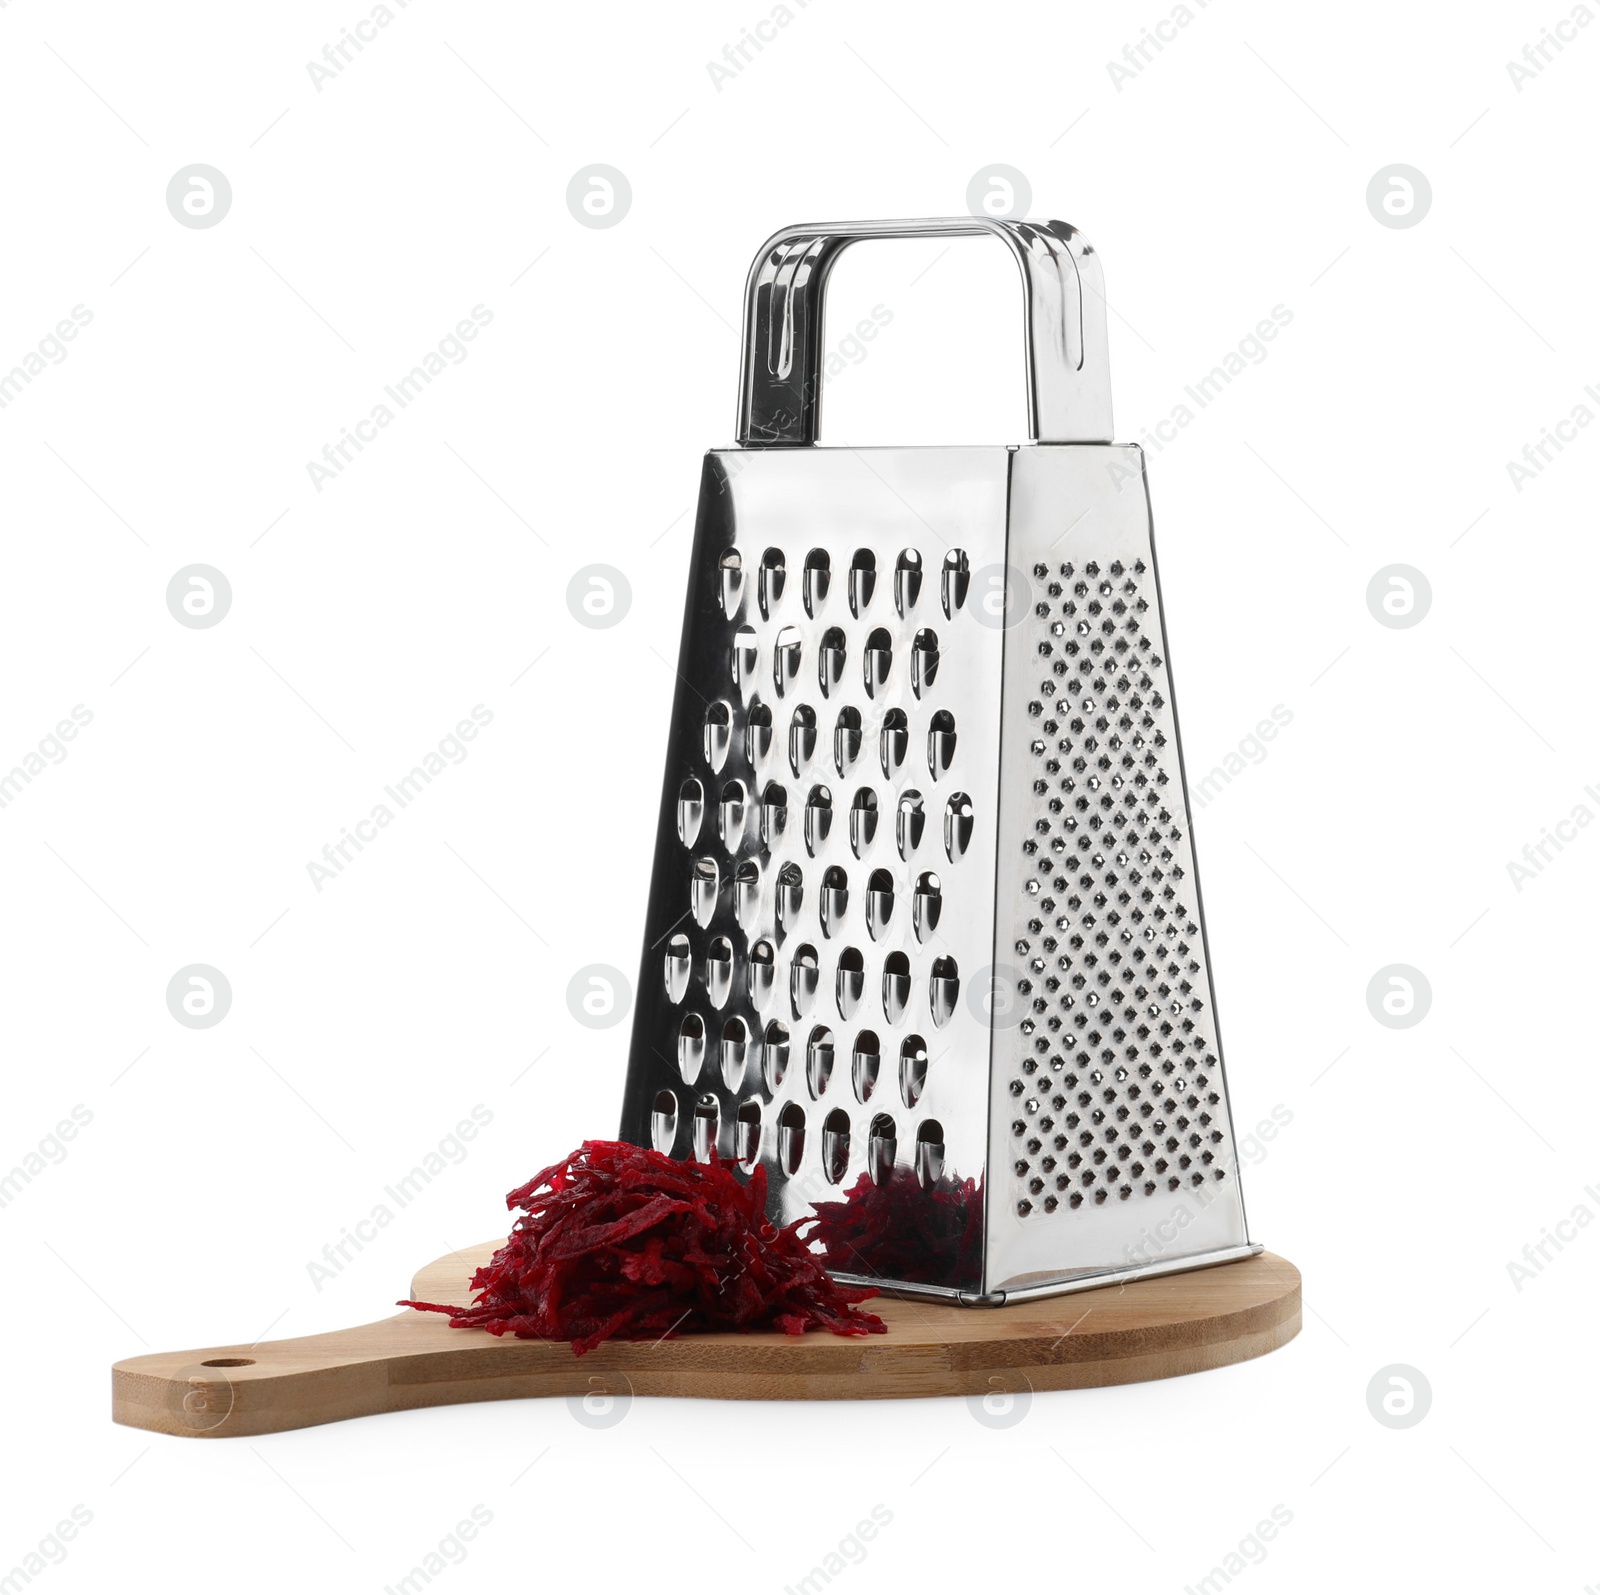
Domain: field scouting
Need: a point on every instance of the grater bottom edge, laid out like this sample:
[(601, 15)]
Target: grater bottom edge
[(1055, 1287)]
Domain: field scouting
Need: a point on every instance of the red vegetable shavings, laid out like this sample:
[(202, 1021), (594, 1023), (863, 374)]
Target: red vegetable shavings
[(618, 1241), (898, 1230)]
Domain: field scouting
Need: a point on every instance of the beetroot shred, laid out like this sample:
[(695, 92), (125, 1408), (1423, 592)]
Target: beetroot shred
[(898, 1230), (620, 1241)]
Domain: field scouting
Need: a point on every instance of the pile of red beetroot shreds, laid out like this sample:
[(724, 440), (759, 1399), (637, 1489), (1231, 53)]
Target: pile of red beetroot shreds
[(618, 1241)]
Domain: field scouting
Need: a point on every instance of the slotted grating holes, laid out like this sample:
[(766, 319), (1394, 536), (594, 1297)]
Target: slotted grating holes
[(751, 881)]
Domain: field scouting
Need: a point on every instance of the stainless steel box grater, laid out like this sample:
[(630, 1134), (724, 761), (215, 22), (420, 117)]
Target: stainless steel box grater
[(924, 933)]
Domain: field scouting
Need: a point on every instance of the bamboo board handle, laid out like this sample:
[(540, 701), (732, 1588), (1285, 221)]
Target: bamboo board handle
[(1152, 1329)]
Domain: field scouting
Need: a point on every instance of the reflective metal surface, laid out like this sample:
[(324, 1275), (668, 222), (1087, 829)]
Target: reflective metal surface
[(1067, 372), (843, 871), (924, 934), (1110, 1138)]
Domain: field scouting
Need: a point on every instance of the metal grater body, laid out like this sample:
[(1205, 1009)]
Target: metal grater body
[(924, 935)]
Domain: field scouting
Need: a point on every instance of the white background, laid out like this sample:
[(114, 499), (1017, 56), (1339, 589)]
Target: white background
[(1226, 177)]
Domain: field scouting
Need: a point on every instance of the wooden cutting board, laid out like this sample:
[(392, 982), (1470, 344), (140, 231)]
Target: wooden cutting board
[(1119, 1334)]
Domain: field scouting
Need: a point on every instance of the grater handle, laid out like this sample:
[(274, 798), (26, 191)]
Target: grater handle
[(1068, 374)]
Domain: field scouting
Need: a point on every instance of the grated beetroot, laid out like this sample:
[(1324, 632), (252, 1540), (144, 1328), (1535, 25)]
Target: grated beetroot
[(898, 1230), (618, 1241)]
